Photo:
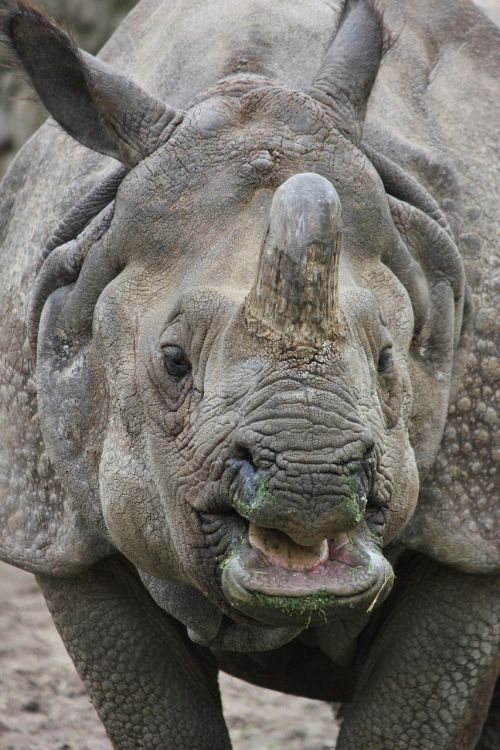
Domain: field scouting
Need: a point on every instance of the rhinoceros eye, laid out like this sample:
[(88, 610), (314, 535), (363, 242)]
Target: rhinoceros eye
[(176, 362), (384, 364)]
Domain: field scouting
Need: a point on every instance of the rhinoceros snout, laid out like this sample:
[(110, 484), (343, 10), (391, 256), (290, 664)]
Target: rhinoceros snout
[(308, 503)]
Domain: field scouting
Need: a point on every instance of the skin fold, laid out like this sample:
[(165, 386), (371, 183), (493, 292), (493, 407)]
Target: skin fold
[(248, 380)]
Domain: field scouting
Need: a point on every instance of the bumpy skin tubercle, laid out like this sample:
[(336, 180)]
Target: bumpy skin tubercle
[(428, 680), (152, 687), (257, 388)]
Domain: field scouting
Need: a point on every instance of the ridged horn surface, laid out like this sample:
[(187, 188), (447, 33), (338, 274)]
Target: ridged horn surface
[(295, 293)]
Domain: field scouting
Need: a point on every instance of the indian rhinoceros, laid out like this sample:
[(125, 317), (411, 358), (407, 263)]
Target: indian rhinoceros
[(249, 372)]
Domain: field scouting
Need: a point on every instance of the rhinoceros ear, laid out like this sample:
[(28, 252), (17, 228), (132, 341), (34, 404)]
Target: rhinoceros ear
[(101, 109), (350, 66)]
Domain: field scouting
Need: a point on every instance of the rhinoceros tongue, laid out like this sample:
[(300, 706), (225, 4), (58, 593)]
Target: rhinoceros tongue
[(283, 552)]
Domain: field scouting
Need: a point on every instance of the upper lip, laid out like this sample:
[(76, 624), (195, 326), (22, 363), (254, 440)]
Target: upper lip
[(242, 481)]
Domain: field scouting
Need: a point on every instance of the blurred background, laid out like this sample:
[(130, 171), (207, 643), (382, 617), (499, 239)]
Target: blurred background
[(92, 22)]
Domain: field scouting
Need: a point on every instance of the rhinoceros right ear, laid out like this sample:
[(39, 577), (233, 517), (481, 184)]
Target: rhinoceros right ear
[(102, 110)]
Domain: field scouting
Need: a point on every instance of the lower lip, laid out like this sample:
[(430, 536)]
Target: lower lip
[(274, 595)]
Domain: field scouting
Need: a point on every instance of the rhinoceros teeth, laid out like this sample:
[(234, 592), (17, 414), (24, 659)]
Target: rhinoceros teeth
[(283, 552)]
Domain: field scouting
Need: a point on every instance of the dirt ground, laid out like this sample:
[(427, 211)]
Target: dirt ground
[(43, 705)]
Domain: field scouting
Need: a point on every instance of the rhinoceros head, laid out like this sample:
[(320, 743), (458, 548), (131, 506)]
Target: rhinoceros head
[(231, 357)]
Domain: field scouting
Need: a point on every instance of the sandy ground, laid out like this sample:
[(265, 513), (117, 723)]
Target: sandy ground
[(43, 705)]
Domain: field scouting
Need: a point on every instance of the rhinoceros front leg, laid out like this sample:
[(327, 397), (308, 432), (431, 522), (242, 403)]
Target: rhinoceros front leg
[(150, 685), (490, 738), (428, 682)]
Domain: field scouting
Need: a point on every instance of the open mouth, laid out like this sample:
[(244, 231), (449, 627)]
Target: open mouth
[(271, 578)]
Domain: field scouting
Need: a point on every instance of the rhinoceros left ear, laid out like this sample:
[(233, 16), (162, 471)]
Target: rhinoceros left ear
[(101, 109), (350, 66)]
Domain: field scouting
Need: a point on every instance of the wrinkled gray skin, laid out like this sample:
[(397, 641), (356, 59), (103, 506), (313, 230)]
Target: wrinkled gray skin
[(129, 490)]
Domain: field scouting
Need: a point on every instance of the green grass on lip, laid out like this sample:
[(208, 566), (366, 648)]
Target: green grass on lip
[(247, 508), (295, 605)]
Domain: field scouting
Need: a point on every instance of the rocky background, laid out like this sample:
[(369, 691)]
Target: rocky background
[(42, 703)]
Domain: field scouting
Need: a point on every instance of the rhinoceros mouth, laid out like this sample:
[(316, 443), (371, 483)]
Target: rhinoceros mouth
[(271, 579)]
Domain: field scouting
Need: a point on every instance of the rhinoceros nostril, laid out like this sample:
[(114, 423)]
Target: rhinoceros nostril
[(253, 458), (369, 451), (243, 453)]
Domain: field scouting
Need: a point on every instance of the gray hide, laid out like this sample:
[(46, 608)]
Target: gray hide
[(249, 378), (431, 113)]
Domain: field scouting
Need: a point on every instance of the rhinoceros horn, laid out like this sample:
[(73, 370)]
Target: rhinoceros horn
[(350, 66), (295, 293)]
